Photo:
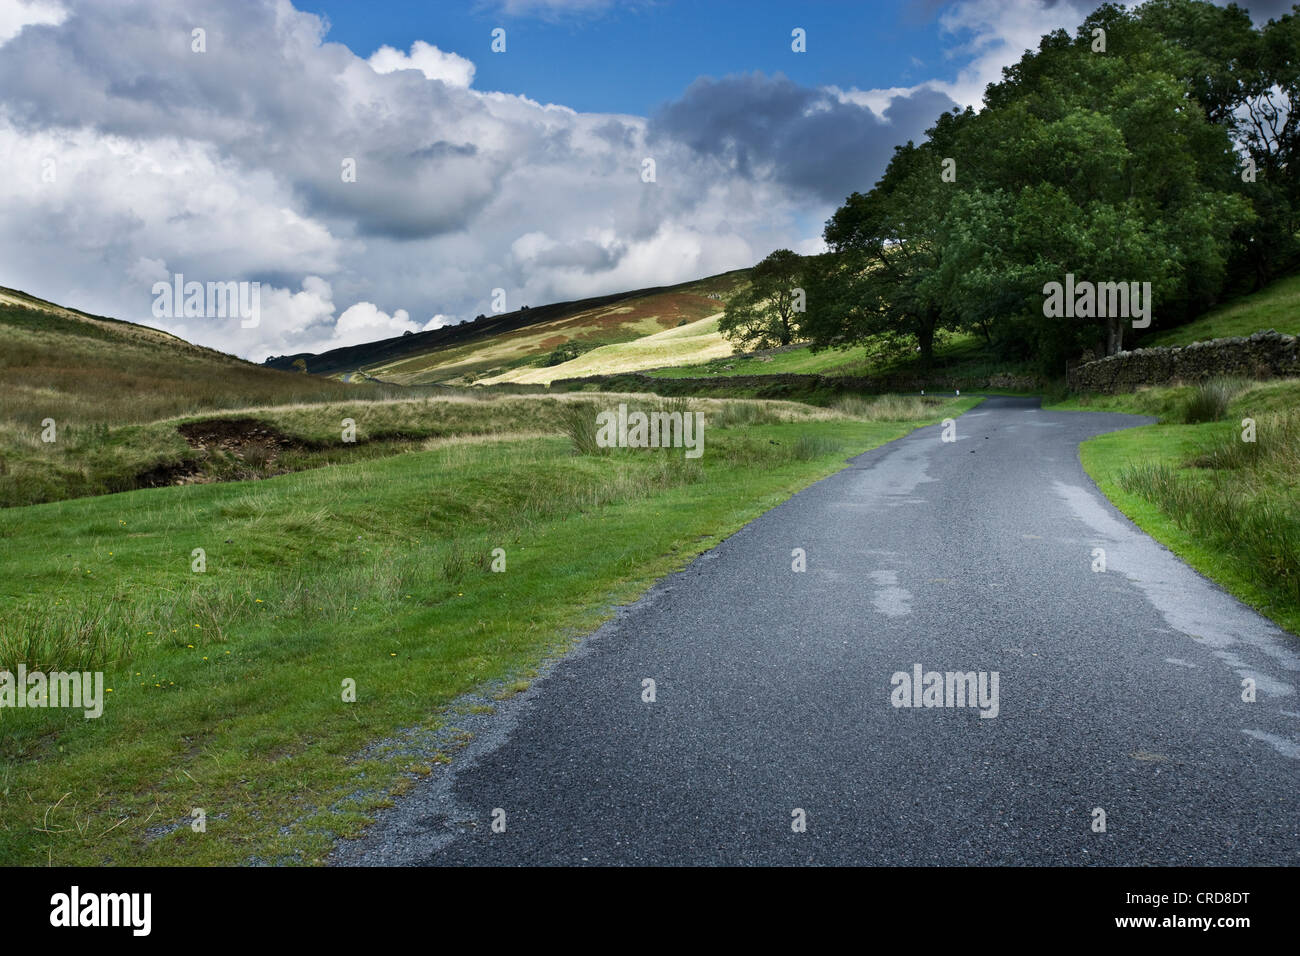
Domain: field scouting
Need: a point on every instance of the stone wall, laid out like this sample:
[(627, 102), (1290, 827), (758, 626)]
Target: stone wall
[(789, 385), (1262, 355)]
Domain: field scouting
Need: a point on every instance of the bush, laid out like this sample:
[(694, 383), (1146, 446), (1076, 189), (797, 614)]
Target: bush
[(567, 352)]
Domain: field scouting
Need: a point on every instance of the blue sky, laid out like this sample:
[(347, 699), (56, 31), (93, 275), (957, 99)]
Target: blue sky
[(630, 58)]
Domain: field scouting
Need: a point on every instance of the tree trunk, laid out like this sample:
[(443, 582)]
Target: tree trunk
[(1114, 334), (925, 338)]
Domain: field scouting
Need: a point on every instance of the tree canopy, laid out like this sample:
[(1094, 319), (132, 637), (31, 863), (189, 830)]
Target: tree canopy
[(766, 314), (1156, 146)]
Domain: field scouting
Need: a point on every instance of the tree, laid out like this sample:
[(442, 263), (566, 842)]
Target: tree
[(763, 315), (1098, 163), (888, 272), (1112, 171)]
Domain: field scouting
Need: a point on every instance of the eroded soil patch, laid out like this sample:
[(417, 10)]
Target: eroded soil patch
[(254, 446), (245, 438)]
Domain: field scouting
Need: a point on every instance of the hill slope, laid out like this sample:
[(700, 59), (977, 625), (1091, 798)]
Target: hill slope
[(1276, 306), (102, 381), (694, 342), (85, 369), (494, 344)]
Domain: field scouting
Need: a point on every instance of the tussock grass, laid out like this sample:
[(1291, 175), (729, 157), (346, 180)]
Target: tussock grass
[(1209, 401), (743, 413), (1249, 520), (1273, 457), (888, 408), (578, 419), (806, 447), (1239, 498)]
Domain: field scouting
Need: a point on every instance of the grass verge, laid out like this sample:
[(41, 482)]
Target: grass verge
[(1228, 507)]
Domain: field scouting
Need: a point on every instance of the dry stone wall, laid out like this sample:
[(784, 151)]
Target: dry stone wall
[(1262, 355)]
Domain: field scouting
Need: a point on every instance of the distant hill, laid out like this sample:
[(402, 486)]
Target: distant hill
[(694, 342), (126, 330), (495, 344), (75, 367)]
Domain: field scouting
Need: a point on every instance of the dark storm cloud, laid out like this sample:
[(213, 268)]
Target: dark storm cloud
[(1261, 11), (808, 138)]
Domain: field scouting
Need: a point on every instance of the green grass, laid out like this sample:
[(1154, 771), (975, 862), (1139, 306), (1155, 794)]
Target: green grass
[(959, 358), (226, 684), (99, 459), (83, 373), (1209, 400), (1275, 307), (1165, 402), (1229, 508), (105, 385)]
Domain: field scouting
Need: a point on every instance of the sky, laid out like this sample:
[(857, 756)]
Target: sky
[(378, 168)]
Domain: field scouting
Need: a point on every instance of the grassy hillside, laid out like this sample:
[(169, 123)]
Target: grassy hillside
[(103, 381), (68, 365), (690, 343), (496, 344), (1277, 307), (798, 360), (1228, 506)]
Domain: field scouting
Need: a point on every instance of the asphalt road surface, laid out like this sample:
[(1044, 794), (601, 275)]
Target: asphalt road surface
[(1118, 691)]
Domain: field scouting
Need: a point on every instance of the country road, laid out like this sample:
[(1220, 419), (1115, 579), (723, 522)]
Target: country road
[(1119, 690)]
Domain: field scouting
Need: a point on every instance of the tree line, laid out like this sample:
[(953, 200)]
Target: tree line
[(1156, 145)]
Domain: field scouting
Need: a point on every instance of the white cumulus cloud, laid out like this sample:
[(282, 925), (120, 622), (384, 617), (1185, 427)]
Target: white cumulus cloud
[(449, 68)]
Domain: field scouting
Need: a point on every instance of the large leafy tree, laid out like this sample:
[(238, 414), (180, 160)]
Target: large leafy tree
[(888, 272), (1111, 174), (1247, 80), (1100, 163), (767, 312)]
